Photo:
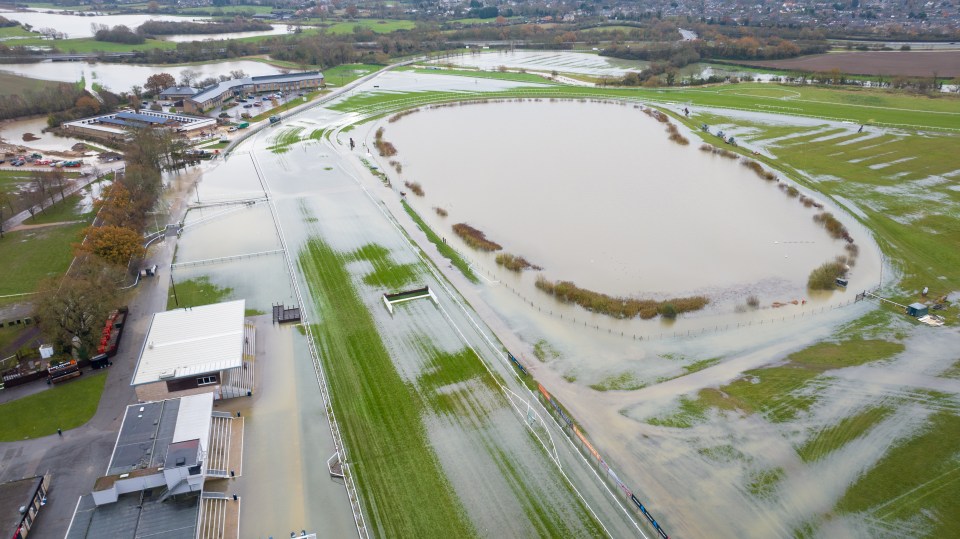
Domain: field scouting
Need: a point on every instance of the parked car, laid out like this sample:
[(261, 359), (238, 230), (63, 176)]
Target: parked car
[(232, 129), (265, 98), (18, 163), (247, 106), (257, 104)]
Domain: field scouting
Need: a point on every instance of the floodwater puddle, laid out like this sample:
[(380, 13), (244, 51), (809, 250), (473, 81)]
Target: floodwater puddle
[(623, 210)]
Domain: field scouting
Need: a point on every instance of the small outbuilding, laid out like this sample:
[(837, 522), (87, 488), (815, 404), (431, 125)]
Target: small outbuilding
[(917, 310)]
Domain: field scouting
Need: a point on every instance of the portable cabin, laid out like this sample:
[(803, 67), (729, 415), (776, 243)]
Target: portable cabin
[(917, 310)]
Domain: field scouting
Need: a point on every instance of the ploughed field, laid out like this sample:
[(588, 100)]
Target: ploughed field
[(886, 63)]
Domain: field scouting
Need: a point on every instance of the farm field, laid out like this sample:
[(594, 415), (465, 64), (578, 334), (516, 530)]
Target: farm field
[(89, 44), (378, 26), (14, 84), (945, 64)]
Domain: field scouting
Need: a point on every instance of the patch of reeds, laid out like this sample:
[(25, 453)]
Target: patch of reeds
[(385, 148), (825, 277), (415, 187), (440, 211), (722, 152), (619, 307), (833, 226), (656, 115), (753, 301), (515, 263), (759, 170), (676, 136), (397, 166), (399, 115), (475, 238)]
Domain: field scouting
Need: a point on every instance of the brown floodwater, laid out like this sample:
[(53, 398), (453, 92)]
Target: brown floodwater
[(595, 193)]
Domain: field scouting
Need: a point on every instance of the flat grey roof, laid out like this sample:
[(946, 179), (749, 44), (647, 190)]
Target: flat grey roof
[(220, 88), (13, 496), (147, 431), (174, 518)]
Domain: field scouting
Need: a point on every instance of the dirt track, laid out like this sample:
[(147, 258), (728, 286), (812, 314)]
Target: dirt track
[(908, 63)]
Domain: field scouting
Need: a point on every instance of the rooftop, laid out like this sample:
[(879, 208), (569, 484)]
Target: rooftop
[(196, 340), (129, 518), (219, 88), (144, 118), (13, 496), (178, 90)]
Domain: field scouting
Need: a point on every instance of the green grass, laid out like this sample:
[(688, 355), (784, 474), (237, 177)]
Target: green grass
[(89, 44), (443, 382), (701, 364), (689, 413), (386, 273), (11, 84), (67, 405), (196, 292), (14, 31), (294, 102), (30, 256), (849, 428), (347, 73), (316, 134), (953, 371), (625, 381), (445, 250), (284, 139), (395, 468), (544, 351), (506, 75), (763, 483), (917, 480), (63, 210), (378, 26), (782, 392)]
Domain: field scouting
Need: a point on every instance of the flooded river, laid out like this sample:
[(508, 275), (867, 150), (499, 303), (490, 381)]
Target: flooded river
[(620, 210)]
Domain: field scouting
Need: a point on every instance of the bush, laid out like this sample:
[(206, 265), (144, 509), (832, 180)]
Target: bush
[(475, 238), (415, 187), (825, 277), (515, 263), (619, 307), (753, 301), (440, 211), (667, 310)]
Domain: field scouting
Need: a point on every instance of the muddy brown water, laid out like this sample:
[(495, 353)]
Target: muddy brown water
[(619, 209)]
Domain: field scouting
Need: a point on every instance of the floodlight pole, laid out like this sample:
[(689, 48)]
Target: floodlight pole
[(174, 286)]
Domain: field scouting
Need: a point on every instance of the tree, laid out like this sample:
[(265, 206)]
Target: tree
[(78, 305), (188, 77), (5, 200), (159, 82), (115, 207), (238, 74), (58, 181), (40, 181), (114, 245)]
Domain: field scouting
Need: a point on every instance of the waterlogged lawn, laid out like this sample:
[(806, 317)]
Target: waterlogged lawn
[(386, 273), (834, 437), (196, 292), (782, 392), (918, 480), (285, 139), (404, 490)]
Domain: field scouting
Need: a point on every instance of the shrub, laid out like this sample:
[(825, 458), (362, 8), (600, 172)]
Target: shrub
[(475, 238), (415, 187), (515, 263), (440, 211), (825, 276), (667, 310), (619, 307), (753, 301)]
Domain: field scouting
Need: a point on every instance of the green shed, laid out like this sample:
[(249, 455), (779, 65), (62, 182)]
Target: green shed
[(917, 310)]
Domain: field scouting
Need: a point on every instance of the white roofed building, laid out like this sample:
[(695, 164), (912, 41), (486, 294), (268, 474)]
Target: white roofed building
[(194, 350)]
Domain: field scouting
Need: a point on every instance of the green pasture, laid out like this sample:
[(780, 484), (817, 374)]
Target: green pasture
[(32, 255), (65, 406)]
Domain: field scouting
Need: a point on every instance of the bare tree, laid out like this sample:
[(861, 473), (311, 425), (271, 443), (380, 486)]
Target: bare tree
[(59, 181), (188, 77), (41, 183), (238, 74)]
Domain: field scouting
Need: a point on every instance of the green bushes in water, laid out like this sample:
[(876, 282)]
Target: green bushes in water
[(619, 307), (475, 238), (515, 263), (825, 277)]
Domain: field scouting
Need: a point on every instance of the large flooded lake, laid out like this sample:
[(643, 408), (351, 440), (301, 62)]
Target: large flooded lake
[(597, 194)]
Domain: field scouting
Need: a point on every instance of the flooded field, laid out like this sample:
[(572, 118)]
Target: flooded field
[(122, 77), (618, 209), (563, 62), (13, 131), (816, 419)]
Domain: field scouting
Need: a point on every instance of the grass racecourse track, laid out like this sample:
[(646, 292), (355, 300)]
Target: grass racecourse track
[(888, 449)]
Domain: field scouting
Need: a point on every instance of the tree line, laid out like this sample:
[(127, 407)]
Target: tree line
[(49, 98), (238, 24)]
